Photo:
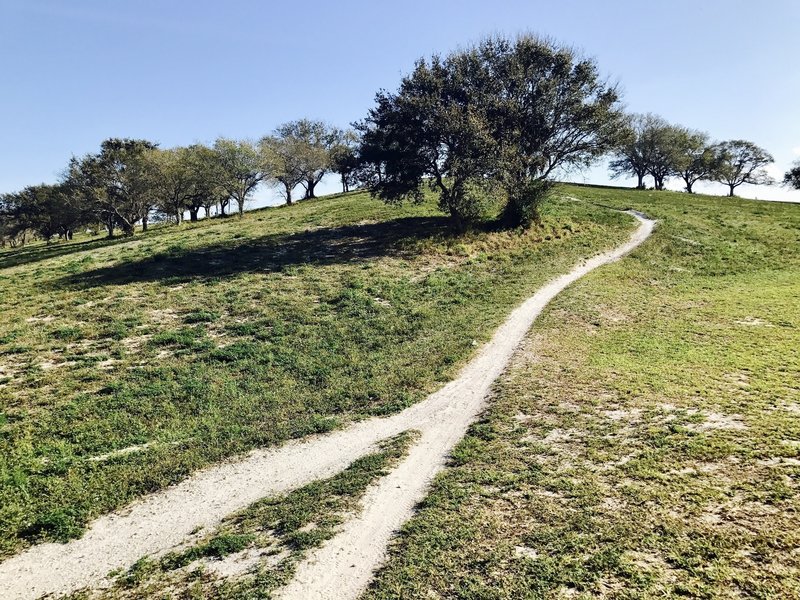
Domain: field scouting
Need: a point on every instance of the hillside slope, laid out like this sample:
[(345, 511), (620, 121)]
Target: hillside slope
[(646, 442), (127, 365)]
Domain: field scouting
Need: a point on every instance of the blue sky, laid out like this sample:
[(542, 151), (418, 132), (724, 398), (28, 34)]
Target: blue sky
[(178, 71)]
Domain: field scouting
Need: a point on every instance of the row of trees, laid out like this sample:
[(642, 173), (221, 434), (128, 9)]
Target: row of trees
[(490, 124), (653, 147), (132, 181)]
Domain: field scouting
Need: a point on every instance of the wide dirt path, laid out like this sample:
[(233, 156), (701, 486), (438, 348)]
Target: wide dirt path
[(341, 568)]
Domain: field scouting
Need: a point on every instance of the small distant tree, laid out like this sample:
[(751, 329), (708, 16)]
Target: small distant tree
[(630, 156), (115, 183), (344, 158), (741, 161), (792, 176), (169, 181), (44, 210), (204, 176), (651, 146), (694, 158), (240, 169), (311, 143), (283, 160), (185, 179), (661, 143)]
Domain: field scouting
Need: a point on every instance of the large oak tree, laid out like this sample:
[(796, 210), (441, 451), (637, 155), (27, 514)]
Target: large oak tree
[(503, 114)]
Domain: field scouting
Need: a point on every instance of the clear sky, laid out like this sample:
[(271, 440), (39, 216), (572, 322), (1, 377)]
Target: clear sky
[(75, 72)]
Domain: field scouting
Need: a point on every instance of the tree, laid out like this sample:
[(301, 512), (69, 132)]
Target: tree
[(115, 183), (240, 169), (552, 112), (19, 216), (46, 210), (792, 176), (630, 157), (433, 133), (660, 144), (345, 159), (283, 161), (694, 158), (310, 143), (648, 146), (169, 178), (203, 172), (740, 161), (184, 178), (652, 146), (499, 115)]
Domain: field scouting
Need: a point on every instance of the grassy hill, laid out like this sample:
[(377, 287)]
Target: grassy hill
[(125, 365), (646, 441)]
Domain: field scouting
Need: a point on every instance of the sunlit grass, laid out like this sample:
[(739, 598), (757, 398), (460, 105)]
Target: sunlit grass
[(127, 365), (646, 441)]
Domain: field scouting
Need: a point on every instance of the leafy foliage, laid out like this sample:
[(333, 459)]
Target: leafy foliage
[(740, 161), (114, 182), (502, 111), (792, 176), (240, 168)]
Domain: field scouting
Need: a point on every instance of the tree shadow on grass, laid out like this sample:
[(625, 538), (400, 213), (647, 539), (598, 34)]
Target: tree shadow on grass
[(44, 251), (272, 253)]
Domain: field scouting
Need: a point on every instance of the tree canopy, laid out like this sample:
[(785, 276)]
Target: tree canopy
[(740, 161), (499, 115), (115, 182), (240, 168), (487, 128), (792, 176)]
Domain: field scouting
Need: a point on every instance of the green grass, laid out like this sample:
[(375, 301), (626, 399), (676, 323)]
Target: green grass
[(200, 342), (646, 441)]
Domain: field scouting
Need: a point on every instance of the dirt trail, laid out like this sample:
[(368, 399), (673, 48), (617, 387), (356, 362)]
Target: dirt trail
[(343, 567)]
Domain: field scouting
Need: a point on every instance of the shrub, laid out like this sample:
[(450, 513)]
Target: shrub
[(524, 202)]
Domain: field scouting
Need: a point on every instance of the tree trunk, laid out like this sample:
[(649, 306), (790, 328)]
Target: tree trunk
[(110, 227), (240, 202), (458, 222), (222, 209), (288, 194), (688, 185), (310, 183), (733, 187), (193, 214), (640, 185), (145, 220), (344, 184)]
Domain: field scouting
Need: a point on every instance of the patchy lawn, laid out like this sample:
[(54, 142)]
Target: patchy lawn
[(126, 365), (646, 441)]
